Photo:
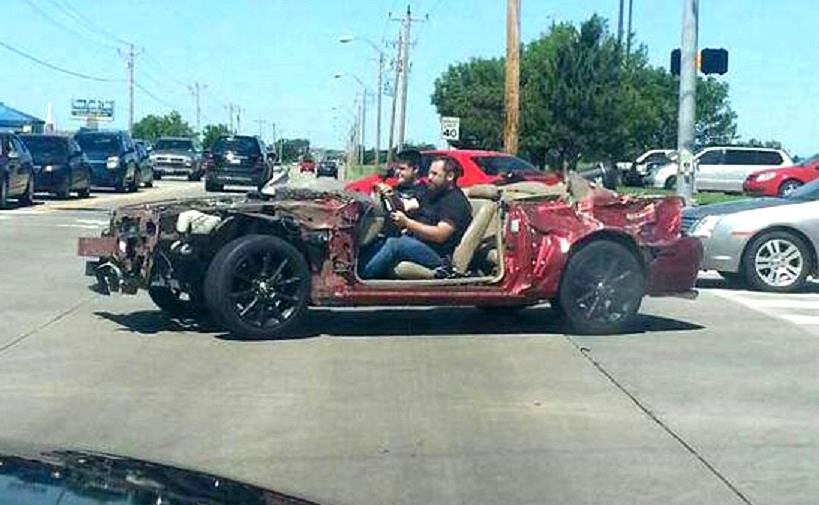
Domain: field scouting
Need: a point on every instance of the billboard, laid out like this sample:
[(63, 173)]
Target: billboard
[(91, 108)]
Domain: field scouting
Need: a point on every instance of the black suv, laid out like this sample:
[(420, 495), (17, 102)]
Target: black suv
[(327, 168), (113, 159), (60, 166), (16, 171), (237, 160)]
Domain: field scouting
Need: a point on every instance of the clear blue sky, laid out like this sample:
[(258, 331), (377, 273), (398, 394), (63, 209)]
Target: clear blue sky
[(276, 58)]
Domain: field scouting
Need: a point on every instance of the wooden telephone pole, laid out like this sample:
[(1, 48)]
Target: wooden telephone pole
[(510, 134)]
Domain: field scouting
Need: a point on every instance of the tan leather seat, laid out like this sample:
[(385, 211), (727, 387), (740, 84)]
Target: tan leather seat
[(462, 256)]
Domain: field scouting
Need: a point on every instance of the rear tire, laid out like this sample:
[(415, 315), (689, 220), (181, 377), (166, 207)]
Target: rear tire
[(84, 192), (27, 198), (601, 288), (258, 287), (64, 193)]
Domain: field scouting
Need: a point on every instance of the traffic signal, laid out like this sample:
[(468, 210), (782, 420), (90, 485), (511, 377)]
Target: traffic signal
[(675, 62), (708, 61), (714, 61)]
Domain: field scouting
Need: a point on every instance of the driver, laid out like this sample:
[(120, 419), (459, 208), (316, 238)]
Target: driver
[(409, 190), (430, 237)]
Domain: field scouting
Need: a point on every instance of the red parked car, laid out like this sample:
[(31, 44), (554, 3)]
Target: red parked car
[(307, 165), (256, 262), (781, 181), (479, 167)]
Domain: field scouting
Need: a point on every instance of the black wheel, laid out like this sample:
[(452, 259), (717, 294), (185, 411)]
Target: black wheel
[(601, 288), (64, 192), (671, 182), (212, 186), (122, 186), (27, 198), (175, 302), (84, 192), (258, 287), (788, 187), (157, 176), (4, 194), (133, 186), (150, 183), (777, 261)]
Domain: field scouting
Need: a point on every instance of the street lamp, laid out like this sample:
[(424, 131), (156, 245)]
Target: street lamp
[(344, 39)]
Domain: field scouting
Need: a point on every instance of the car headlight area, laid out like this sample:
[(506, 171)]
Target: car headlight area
[(705, 226)]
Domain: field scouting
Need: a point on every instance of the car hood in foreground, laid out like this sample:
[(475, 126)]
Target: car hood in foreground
[(719, 209), (84, 478)]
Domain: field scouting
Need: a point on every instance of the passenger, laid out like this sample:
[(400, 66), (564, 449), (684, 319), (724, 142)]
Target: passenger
[(431, 235), (409, 189)]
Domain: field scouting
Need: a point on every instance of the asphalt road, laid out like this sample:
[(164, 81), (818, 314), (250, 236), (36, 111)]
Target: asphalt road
[(714, 401)]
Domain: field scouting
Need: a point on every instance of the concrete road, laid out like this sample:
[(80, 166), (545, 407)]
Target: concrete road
[(714, 401)]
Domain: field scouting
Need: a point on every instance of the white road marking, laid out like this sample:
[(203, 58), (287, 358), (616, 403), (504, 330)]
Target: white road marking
[(782, 303), (801, 319)]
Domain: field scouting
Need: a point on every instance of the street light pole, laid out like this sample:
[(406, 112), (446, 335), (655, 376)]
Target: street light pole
[(688, 101), (378, 92)]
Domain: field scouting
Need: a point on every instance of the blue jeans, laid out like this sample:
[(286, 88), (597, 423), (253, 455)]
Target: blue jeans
[(380, 259)]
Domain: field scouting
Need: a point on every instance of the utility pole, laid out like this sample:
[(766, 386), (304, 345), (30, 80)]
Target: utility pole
[(378, 92), (238, 119), (405, 66), (620, 26), (510, 134), (195, 90), (129, 58), (363, 123), (230, 117), (688, 101), (628, 35), (397, 64), (261, 123)]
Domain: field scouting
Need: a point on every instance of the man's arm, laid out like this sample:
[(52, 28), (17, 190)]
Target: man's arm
[(438, 233)]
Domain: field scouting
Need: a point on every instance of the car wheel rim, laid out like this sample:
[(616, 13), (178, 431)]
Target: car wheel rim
[(264, 289), (779, 263), (789, 188), (605, 290)]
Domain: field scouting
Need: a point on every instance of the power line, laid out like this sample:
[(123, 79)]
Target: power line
[(59, 24), (156, 98), (55, 67), (66, 7)]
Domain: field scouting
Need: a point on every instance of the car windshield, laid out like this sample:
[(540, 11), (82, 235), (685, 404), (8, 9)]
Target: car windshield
[(46, 146), (98, 144), (173, 145), (239, 145), (495, 165)]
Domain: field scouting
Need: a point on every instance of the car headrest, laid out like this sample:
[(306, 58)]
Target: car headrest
[(483, 191)]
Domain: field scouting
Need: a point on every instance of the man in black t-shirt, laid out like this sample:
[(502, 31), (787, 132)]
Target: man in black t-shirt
[(409, 190), (431, 235)]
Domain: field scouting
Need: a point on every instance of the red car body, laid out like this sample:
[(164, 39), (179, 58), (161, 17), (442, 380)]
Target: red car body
[(780, 181), (473, 174), (538, 242), (307, 166)]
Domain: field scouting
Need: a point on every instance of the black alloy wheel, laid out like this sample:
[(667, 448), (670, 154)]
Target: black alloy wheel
[(258, 287), (601, 288)]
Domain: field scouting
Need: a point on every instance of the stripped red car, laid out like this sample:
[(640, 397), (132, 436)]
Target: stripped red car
[(781, 182), (478, 167), (257, 262)]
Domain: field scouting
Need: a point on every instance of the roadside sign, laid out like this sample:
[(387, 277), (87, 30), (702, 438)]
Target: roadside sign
[(450, 128), (91, 108)]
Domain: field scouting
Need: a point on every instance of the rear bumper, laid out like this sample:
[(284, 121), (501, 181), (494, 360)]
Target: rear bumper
[(673, 267), (49, 181), (174, 169), (101, 176), (237, 179)]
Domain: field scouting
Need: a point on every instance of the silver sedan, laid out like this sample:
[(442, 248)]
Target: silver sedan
[(769, 243)]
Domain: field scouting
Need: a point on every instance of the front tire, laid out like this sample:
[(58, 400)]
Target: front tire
[(788, 187), (27, 198), (777, 261), (601, 288), (671, 183), (258, 286)]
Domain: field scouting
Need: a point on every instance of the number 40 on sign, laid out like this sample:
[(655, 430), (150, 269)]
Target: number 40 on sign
[(450, 128)]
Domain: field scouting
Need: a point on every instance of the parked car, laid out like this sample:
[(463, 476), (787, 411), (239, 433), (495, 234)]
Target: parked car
[(769, 243), (257, 261), (307, 164), (16, 171), (633, 173), (327, 168), (60, 166), (113, 159), (177, 156), (477, 167), (722, 168), (782, 181), (237, 160), (146, 166)]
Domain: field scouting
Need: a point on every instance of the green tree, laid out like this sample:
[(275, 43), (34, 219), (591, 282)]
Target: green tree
[(293, 148), (151, 127), (211, 133)]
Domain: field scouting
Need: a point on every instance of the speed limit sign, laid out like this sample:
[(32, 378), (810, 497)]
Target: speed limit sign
[(450, 128)]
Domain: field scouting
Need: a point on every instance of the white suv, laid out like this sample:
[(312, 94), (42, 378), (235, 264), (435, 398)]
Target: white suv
[(722, 168)]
